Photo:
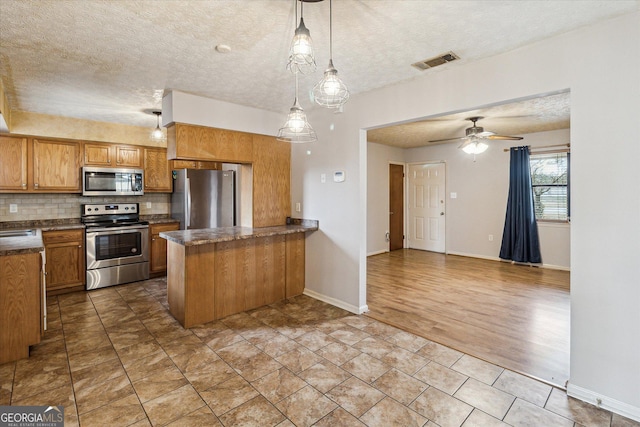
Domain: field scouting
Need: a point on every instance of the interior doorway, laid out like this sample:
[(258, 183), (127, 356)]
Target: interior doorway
[(427, 216), (396, 206)]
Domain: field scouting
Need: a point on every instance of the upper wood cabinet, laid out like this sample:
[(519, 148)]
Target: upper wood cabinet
[(194, 164), (112, 155), (271, 181), (191, 142), (13, 164), (157, 175), (56, 166)]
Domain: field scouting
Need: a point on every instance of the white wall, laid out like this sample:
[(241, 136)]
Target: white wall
[(479, 209), (378, 159), (600, 65)]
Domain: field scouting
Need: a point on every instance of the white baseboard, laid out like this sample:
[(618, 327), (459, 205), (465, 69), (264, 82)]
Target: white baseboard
[(492, 258), (604, 402), (336, 302), (384, 251)]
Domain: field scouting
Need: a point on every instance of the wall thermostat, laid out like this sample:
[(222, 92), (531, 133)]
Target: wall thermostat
[(338, 176)]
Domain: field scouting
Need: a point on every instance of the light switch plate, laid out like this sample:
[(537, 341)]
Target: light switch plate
[(454, 195), (13, 208), (323, 178), (297, 206)]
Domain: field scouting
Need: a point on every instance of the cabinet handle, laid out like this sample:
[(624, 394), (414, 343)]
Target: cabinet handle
[(35, 185), (80, 246), (108, 161), (24, 185)]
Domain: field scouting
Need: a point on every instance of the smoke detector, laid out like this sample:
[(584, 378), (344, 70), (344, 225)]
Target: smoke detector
[(435, 61)]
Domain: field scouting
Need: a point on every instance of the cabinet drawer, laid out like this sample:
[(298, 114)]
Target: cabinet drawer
[(62, 236)]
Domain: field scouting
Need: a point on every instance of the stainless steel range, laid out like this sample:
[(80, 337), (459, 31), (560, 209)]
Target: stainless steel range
[(117, 244)]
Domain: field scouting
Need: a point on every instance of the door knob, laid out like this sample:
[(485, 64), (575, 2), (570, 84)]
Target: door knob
[(441, 213), (390, 213)]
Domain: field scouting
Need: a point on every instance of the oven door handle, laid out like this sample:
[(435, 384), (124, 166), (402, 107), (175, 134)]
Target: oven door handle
[(114, 230)]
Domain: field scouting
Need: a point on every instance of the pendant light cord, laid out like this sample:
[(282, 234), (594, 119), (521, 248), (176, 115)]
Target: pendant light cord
[(330, 32)]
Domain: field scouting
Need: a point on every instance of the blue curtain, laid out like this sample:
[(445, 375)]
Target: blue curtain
[(520, 237)]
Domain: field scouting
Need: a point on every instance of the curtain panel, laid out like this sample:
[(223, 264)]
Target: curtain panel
[(520, 237)]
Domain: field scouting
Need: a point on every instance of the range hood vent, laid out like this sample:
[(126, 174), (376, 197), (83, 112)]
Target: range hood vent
[(434, 62)]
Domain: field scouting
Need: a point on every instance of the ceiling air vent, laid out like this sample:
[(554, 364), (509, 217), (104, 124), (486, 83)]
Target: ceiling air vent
[(434, 62)]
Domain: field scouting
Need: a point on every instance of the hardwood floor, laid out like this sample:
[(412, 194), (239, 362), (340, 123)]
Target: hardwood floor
[(510, 315)]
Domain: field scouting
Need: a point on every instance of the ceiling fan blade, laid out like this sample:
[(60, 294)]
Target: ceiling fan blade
[(505, 138), (448, 139)]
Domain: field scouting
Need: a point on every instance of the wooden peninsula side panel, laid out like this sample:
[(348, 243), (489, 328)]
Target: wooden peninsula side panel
[(213, 280)]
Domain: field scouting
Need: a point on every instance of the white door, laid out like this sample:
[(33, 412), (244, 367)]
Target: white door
[(427, 207)]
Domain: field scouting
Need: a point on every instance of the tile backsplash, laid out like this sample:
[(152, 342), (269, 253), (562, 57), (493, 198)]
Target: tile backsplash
[(58, 206)]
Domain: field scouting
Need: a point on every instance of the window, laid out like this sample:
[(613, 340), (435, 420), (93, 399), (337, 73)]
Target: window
[(550, 185)]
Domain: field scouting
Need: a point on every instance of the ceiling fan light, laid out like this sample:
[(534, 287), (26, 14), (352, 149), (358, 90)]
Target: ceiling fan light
[(474, 146), (330, 91)]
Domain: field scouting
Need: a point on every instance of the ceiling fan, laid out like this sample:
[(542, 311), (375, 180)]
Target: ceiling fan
[(475, 136)]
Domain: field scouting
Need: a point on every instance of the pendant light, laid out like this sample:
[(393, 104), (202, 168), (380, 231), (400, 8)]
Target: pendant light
[(297, 128), (330, 91), (301, 56), (157, 134)]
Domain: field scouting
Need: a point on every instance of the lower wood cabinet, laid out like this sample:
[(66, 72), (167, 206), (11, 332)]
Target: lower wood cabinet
[(21, 305), (158, 247), (65, 266)]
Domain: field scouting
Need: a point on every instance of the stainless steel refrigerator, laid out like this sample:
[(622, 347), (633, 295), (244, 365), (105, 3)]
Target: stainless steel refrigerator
[(203, 198)]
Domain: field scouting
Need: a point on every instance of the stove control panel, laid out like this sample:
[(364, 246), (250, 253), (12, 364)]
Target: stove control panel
[(110, 209)]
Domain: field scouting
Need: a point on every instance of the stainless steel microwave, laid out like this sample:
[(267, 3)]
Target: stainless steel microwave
[(112, 182)]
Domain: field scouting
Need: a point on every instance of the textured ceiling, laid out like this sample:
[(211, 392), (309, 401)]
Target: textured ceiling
[(112, 60)]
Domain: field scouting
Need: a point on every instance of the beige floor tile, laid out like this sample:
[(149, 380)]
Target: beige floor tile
[(121, 339), (620, 421), (259, 334), (135, 352), (238, 353), (374, 346), (257, 366), (161, 382), (257, 412), (324, 375), (400, 386), (278, 345), (229, 394), (149, 365), (478, 369), (173, 405), (124, 411), (407, 341), (61, 396), (84, 360), (299, 359), (198, 357), (405, 360), (338, 353), (441, 408), (577, 410), (315, 340), (31, 382), (357, 320), (306, 406), (97, 374), (388, 412), (366, 368), (184, 344), (480, 419), (202, 417), (206, 376), (355, 396), (525, 414), (484, 397), (278, 385), (440, 354), (382, 330), (98, 395), (207, 330), (339, 417), (95, 341), (441, 377), (223, 339), (523, 387), (349, 335)]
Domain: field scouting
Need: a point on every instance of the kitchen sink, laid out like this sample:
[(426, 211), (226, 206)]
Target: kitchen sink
[(17, 233)]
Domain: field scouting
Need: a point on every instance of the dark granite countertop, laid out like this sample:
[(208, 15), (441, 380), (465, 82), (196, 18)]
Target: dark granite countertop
[(21, 245), (226, 234), (43, 224)]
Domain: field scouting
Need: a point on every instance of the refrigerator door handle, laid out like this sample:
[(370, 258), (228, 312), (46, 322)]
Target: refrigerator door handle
[(187, 208)]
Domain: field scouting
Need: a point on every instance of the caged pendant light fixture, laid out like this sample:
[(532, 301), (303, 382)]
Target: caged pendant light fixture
[(301, 56), (330, 91), (296, 128)]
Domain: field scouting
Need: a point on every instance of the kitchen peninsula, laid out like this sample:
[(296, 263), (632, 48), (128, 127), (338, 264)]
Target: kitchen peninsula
[(213, 273)]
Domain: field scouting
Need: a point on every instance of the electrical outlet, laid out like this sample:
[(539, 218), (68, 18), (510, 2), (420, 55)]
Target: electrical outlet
[(297, 206), (148, 205), (491, 237), (13, 208)]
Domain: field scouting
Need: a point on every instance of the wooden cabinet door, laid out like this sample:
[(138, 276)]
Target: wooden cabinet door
[(209, 144), (158, 245), (13, 164), (98, 154), (65, 259), (157, 176), (271, 181), (56, 166), (128, 156)]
